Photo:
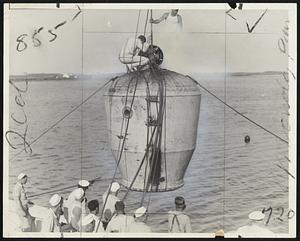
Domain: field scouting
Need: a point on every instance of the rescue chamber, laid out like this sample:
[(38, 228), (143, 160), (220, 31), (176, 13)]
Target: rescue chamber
[(152, 118)]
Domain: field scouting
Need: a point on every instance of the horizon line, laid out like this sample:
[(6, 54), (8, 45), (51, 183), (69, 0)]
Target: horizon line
[(111, 73)]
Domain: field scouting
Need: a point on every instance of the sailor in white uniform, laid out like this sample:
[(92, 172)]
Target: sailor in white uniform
[(255, 227), (120, 221), (139, 225), (132, 51), (51, 221), (173, 21), (76, 210), (90, 221), (84, 185), (179, 222), (171, 40), (22, 204), (112, 197)]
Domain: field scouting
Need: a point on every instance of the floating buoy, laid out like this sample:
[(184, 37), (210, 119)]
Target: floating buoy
[(164, 141), (247, 139)]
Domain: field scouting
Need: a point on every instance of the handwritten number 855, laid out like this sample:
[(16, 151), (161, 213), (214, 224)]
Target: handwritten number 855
[(22, 45)]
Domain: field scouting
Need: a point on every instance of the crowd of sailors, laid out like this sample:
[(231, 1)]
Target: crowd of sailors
[(78, 214)]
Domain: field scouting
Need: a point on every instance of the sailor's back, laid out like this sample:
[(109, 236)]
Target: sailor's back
[(139, 227), (119, 223), (179, 222)]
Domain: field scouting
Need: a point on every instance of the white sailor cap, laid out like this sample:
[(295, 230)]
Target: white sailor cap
[(55, 200), (83, 183), (78, 193), (256, 216), (140, 212), (21, 175), (115, 187)]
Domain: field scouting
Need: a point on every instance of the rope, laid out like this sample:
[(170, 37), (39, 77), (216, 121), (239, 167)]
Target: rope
[(148, 117), (139, 168), (132, 182), (126, 100), (239, 113), (159, 133), (61, 119), (160, 115), (146, 22), (136, 30), (152, 167), (151, 28), (162, 92), (126, 129), (140, 60), (64, 188), (122, 148), (165, 135), (122, 125), (146, 153), (146, 186), (148, 127)]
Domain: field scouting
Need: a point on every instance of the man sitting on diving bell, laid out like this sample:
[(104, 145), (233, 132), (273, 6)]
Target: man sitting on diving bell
[(134, 53)]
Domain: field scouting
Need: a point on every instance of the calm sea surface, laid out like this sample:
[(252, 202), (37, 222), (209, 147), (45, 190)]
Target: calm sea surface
[(226, 178)]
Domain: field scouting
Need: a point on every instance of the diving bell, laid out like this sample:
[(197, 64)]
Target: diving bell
[(132, 102)]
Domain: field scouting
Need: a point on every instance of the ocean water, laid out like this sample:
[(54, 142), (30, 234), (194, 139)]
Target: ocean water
[(225, 180)]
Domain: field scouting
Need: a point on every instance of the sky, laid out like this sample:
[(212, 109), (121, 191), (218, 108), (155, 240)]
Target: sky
[(211, 41)]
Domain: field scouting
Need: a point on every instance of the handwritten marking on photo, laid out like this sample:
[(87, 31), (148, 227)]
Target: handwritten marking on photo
[(255, 24)]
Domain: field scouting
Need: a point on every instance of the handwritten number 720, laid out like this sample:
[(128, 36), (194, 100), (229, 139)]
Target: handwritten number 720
[(289, 215)]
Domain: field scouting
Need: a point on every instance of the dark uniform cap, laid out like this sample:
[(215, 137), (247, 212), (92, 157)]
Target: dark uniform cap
[(119, 205), (179, 201)]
